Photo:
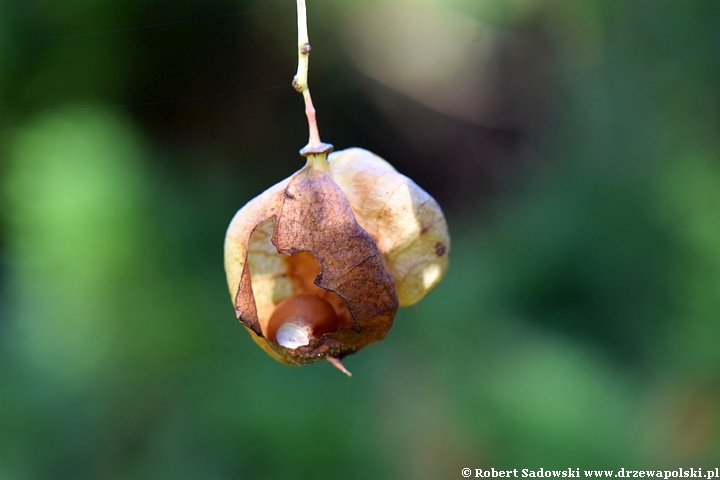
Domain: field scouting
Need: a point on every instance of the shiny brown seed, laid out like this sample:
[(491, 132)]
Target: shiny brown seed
[(301, 319)]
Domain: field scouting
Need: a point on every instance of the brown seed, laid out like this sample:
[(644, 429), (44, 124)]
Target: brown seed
[(300, 319)]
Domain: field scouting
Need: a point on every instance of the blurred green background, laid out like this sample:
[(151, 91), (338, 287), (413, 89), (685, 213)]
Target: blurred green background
[(575, 148)]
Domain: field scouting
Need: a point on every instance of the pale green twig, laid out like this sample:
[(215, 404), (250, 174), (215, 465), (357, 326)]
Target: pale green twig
[(300, 82)]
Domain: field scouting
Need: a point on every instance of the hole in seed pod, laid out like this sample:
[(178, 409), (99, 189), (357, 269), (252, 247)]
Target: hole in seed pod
[(302, 269), (276, 277), (311, 312)]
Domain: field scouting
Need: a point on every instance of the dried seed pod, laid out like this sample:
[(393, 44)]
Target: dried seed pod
[(315, 272), (301, 237)]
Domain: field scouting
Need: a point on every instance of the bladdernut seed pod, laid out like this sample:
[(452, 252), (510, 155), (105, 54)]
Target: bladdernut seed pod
[(318, 264)]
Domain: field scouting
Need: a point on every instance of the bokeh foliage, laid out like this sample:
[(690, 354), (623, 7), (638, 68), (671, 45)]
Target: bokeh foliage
[(579, 322)]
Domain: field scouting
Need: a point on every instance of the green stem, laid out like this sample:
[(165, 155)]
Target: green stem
[(300, 82)]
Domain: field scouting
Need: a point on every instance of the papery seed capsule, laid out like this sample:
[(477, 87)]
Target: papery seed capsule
[(299, 239), (299, 319)]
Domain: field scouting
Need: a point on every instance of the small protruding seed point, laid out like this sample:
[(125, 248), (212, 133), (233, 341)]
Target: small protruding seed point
[(338, 364), (305, 49)]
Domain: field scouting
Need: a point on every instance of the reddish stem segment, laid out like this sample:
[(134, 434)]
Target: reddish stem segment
[(314, 141)]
